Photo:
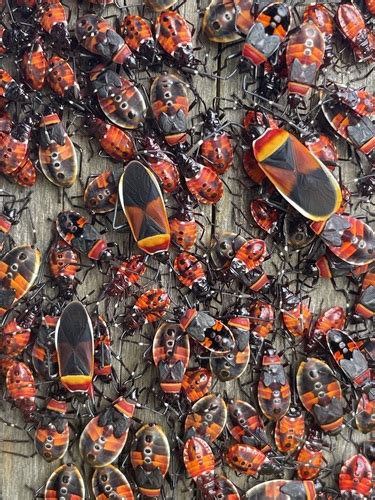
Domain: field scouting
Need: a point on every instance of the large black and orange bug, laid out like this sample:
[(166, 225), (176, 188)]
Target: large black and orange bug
[(16, 333), (105, 435), (281, 489), (100, 194), (64, 263), (138, 36), (347, 237), (207, 418), (150, 458), (161, 164), (98, 37), (300, 178), (110, 482), (75, 349), (353, 27), (10, 215), (171, 354), (192, 274), (216, 149), (333, 318), (245, 425), (211, 333), (124, 276), (216, 486), (198, 457), (75, 229), (196, 383), (34, 65), (114, 141), (246, 459), (347, 354), (18, 272), (52, 433), (365, 306), (57, 154), (202, 181), (322, 18), (120, 99), (304, 57), (232, 365), (170, 107), (51, 16), (274, 395), (320, 393), (21, 388), (14, 146), (65, 481), (355, 477), (142, 202), (10, 90), (43, 354)]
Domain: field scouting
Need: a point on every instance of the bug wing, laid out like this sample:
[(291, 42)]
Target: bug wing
[(258, 39)]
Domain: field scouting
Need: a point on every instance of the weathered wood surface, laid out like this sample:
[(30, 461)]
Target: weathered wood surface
[(19, 474)]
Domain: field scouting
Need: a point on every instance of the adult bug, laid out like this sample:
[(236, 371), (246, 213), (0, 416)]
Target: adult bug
[(142, 202), (75, 349)]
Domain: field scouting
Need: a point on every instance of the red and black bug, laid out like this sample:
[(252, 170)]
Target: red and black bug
[(161, 164), (216, 149), (360, 101), (20, 384), (14, 146), (245, 424), (310, 457), (321, 395), (322, 18), (124, 276), (365, 306), (196, 383), (142, 202), (82, 236), (274, 394), (299, 177), (52, 433), (350, 239), (57, 155), (97, 36), (64, 264), (34, 65), (191, 273), (62, 80), (120, 99), (352, 26), (266, 216), (183, 224), (18, 272), (224, 247), (75, 349), (10, 90), (290, 430), (170, 107), (16, 333), (262, 317), (51, 16), (304, 57), (100, 195), (105, 435), (355, 478), (198, 457), (323, 147), (171, 353), (114, 141), (138, 36), (65, 481), (247, 459), (219, 22), (43, 354), (216, 486), (333, 318), (298, 319), (150, 457), (249, 256), (211, 333), (207, 418), (110, 482)]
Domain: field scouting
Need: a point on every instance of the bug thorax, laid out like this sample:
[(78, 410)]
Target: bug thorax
[(212, 122), (189, 167)]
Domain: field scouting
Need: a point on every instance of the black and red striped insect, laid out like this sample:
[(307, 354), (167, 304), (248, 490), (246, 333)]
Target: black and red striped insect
[(321, 16), (21, 388), (246, 459), (143, 205), (266, 216), (192, 274), (207, 418), (18, 272), (248, 257), (290, 430), (245, 425), (320, 393), (223, 249), (52, 433), (359, 100), (218, 485), (75, 349), (100, 194), (332, 318), (105, 435), (297, 319), (150, 458), (16, 332), (34, 65), (10, 90), (198, 457), (310, 457), (278, 489), (171, 354), (170, 107), (138, 36), (66, 481), (98, 37), (196, 383), (355, 477), (82, 236), (183, 224), (262, 317), (62, 79), (353, 28), (52, 18), (14, 146), (109, 482)]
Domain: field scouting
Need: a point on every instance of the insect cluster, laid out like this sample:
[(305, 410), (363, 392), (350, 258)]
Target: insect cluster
[(172, 338)]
